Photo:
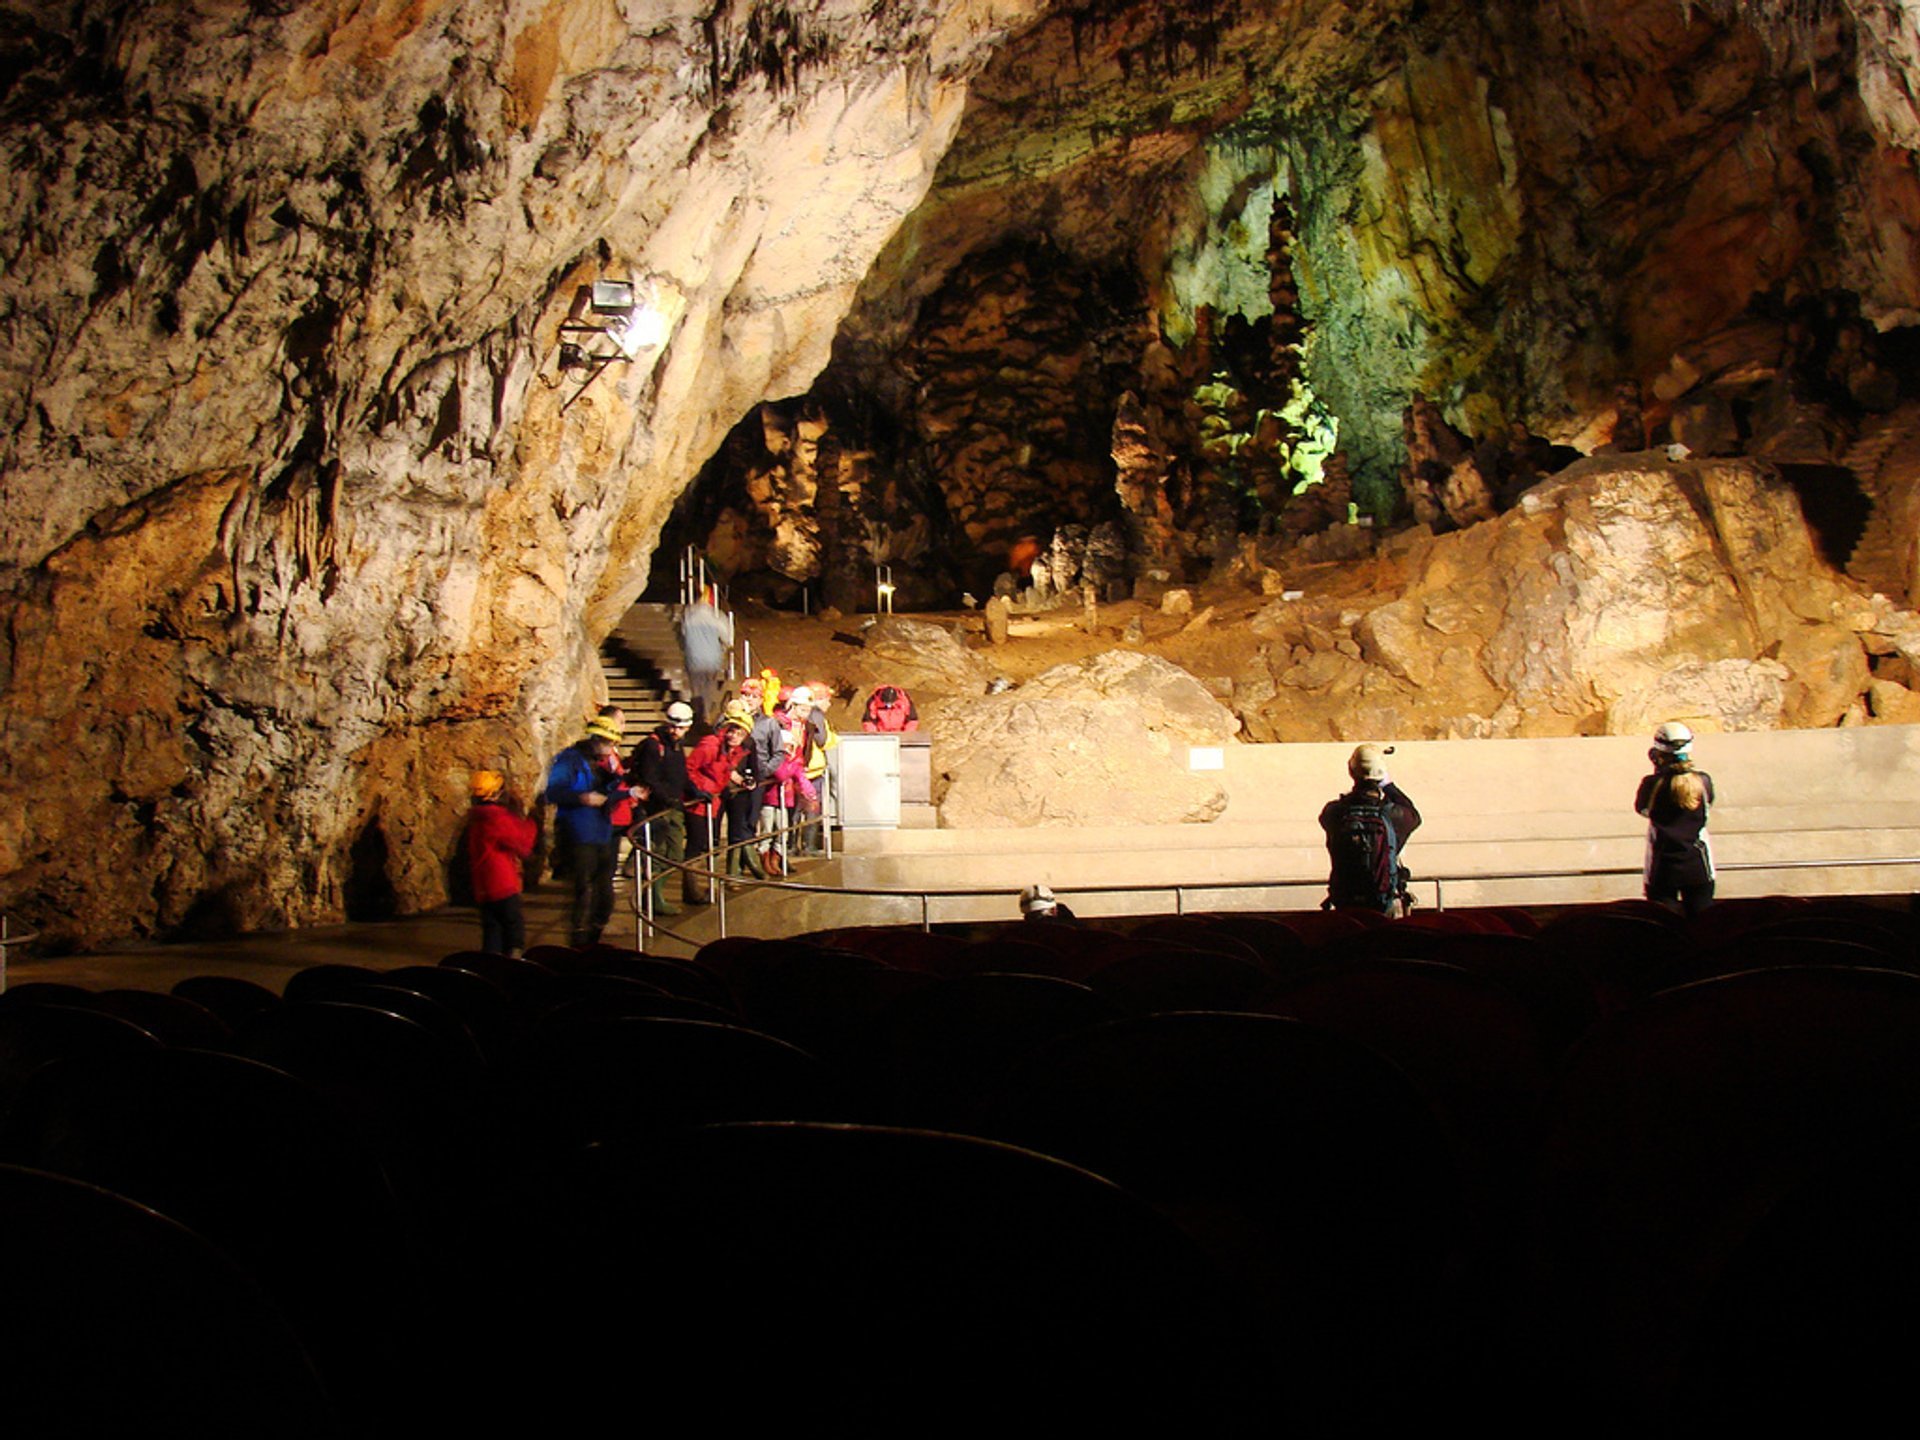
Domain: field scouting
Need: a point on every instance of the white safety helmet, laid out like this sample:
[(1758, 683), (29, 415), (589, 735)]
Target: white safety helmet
[(679, 713), (1672, 737), (800, 699), (1036, 899)]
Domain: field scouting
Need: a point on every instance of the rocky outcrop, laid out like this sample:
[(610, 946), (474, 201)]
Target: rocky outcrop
[(925, 657), (1625, 591), (300, 517), (1102, 742)]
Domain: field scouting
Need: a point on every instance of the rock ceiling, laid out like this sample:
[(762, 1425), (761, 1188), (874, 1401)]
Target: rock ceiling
[(300, 517)]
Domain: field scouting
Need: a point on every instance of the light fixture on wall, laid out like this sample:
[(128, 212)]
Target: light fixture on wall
[(636, 317), (883, 589)]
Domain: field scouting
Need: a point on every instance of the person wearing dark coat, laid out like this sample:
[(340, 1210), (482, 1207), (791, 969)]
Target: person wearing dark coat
[(1366, 829), (1676, 799), (660, 764)]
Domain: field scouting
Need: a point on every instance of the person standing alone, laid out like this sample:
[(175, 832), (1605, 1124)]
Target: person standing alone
[(1366, 828), (499, 841), (1675, 798)]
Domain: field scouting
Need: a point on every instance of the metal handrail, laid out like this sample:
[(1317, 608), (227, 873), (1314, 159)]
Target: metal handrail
[(8, 938), (644, 861), (1180, 890)]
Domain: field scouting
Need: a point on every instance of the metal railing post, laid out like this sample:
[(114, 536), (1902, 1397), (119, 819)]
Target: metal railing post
[(643, 871), (926, 913)]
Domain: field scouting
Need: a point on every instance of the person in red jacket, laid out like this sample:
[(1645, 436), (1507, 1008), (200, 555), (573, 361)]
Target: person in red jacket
[(722, 768), (499, 840), (890, 711)]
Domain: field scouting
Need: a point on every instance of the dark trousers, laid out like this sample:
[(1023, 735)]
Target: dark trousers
[(1693, 898), (592, 867), (503, 926), (743, 813), (700, 839)]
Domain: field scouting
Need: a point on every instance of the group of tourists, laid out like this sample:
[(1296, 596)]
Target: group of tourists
[(755, 786)]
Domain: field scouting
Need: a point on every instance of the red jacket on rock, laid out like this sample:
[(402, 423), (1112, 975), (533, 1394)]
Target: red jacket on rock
[(889, 716), (498, 841)]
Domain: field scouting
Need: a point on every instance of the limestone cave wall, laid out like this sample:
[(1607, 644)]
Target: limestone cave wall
[(299, 516)]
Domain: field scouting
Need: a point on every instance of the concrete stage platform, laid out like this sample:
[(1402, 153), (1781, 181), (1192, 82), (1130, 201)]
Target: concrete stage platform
[(1800, 812)]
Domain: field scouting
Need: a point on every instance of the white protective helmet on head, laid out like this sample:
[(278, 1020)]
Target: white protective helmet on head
[(679, 713), (1037, 899), (1672, 737), (800, 699)]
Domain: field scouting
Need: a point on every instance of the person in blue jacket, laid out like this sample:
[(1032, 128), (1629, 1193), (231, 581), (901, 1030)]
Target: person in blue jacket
[(581, 784)]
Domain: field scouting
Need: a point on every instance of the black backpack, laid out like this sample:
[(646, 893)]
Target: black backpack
[(1366, 855)]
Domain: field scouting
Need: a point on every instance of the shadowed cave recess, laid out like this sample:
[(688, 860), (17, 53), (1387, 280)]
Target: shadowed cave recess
[(1483, 326)]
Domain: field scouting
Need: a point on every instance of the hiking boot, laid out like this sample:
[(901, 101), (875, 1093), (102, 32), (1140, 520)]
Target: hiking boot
[(664, 906)]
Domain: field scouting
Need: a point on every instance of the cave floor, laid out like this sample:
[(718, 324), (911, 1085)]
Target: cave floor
[(272, 958)]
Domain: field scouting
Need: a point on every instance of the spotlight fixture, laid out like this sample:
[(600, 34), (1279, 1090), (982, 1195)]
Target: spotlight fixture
[(612, 297), (637, 317)]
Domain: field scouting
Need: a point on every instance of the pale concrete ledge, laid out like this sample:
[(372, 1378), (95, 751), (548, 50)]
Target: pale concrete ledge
[(1490, 807)]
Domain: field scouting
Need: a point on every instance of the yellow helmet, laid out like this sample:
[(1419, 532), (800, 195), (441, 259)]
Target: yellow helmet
[(487, 784)]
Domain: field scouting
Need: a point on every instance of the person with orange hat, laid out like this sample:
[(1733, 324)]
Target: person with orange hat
[(499, 842)]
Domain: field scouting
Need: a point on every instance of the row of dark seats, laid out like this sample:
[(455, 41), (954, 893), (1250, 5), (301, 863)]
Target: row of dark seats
[(1226, 1172)]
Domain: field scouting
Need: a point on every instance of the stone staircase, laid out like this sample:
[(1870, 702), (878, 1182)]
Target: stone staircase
[(644, 668)]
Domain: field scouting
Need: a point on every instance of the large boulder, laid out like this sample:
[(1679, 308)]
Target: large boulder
[(1624, 591), (1100, 742), (923, 656)]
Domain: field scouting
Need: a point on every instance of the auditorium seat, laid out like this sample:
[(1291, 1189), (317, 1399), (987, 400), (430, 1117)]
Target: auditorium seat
[(604, 1079), (1298, 1157), (122, 1322), (262, 1165), (1146, 979), (676, 977), (944, 1048), (521, 978), (35, 1035), (1675, 1126), (170, 1019), (860, 1281), (234, 1000), (1468, 1043)]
